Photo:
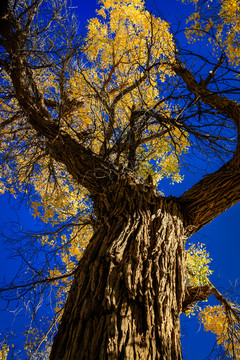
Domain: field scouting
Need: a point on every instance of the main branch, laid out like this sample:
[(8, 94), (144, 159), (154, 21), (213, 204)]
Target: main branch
[(87, 168), (220, 190)]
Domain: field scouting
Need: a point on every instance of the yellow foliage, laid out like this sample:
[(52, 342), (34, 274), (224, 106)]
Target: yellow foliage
[(197, 264), (126, 62), (215, 320), (121, 42), (4, 350), (198, 272), (224, 22), (2, 187), (35, 337)]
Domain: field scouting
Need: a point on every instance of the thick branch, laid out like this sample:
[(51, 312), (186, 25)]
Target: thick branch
[(220, 103), (212, 195), (88, 169), (220, 190), (195, 294), (200, 293)]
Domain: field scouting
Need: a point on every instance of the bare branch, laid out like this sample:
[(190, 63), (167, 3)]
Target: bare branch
[(33, 284), (222, 104)]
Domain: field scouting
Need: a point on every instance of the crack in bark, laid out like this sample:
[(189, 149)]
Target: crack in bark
[(139, 292), (129, 287)]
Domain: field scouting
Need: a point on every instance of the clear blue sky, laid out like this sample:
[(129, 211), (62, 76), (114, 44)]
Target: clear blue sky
[(221, 236)]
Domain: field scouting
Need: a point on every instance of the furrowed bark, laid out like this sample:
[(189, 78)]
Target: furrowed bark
[(129, 288), (212, 195), (127, 294)]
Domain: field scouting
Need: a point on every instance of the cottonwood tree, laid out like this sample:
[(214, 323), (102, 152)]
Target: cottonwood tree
[(91, 126)]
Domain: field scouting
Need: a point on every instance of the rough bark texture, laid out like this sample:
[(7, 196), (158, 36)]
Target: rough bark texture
[(128, 290), (129, 287), (195, 294), (212, 195)]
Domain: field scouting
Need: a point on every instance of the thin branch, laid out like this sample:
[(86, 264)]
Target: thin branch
[(37, 282)]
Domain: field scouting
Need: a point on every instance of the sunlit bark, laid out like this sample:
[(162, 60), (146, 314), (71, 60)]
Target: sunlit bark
[(128, 289)]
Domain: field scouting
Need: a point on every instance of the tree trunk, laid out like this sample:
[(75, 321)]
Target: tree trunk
[(128, 290)]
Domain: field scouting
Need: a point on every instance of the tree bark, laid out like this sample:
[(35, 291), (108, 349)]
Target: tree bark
[(212, 195), (128, 290)]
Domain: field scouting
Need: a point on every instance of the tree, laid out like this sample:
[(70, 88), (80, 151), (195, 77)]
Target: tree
[(91, 126)]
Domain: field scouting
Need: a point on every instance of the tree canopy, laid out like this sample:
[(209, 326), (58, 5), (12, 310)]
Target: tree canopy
[(124, 100)]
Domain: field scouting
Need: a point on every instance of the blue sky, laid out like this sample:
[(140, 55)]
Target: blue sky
[(221, 236)]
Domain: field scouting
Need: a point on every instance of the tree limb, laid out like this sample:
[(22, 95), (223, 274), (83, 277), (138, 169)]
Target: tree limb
[(86, 168), (220, 103), (220, 190), (195, 294)]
